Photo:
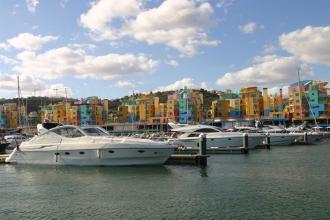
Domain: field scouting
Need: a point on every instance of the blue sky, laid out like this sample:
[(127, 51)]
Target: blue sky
[(111, 48)]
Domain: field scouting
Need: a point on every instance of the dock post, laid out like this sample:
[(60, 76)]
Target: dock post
[(245, 148), (202, 144), (305, 138), (268, 141), (202, 161)]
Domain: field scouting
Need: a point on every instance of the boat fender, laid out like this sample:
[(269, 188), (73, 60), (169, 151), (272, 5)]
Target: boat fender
[(17, 145)]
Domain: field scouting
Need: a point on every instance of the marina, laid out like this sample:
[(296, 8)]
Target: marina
[(167, 109), (289, 182)]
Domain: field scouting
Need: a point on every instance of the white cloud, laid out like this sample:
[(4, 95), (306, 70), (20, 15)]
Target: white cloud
[(250, 28), (184, 32), (82, 46), (225, 5), (269, 49), (185, 82), (267, 58), (124, 84), (57, 90), (9, 83), (103, 13), (310, 44), (268, 70), (32, 5), (4, 46), (31, 86), (8, 60), (59, 62), (276, 90), (204, 85), (28, 41), (172, 63)]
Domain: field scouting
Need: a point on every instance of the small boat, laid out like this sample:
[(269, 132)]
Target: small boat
[(14, 140), (72, 145)]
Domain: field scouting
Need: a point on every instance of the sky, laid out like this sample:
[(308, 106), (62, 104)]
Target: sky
[(110, 48)]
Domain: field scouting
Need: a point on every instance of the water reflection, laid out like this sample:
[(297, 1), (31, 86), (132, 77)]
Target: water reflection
[(37, 173), (203, 172)]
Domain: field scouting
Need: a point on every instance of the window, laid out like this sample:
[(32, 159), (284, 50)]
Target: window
[(193, 135), (68, 132), (206, 130), (95, 132)]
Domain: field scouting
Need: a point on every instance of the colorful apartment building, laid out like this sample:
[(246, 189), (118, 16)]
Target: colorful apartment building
[(251, 103), (234, 102), (3, 118), (190, 106), (219, 109), (309, 100), (173, 107), (306, 100)]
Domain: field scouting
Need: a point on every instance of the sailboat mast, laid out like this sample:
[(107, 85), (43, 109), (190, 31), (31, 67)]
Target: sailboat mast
[(18, 101), (300, 96)]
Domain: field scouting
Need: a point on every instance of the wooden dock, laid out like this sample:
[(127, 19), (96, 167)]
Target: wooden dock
[(3, 158), (187, 159), (220, 150)]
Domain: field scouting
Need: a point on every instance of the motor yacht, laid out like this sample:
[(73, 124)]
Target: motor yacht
[(72, 145), (188, 136), (279, 136), (325, 131), (312, 136)]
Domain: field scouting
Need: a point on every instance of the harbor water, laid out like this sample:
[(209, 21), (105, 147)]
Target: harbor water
[(291, 182)]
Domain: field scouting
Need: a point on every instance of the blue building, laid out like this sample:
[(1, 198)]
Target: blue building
[(85, 115)]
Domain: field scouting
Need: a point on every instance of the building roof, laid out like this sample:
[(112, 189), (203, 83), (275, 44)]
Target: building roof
[(303, 83)]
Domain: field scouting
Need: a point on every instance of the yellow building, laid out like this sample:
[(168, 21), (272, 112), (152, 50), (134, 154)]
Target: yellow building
[(73, 115), (172, 110), (156, 107), (122, 114), (220, 108), (251, 105), (99, 115)]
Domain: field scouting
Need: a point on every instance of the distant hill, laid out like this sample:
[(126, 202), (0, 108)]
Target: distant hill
[(35, 103)]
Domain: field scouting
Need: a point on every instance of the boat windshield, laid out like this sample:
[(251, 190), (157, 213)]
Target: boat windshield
[(68, 132), (95, 132)]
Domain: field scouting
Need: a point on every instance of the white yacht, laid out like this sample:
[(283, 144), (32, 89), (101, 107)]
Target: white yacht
[(71, 145), (188, 136), (312, 136), (279, 136), (325, 131)]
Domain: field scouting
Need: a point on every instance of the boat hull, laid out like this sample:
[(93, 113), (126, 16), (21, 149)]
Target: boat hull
[(93, 157), (312, 138), (220, 142), (282, 139)]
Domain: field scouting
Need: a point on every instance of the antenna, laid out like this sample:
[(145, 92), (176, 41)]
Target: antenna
[(56, 90)]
